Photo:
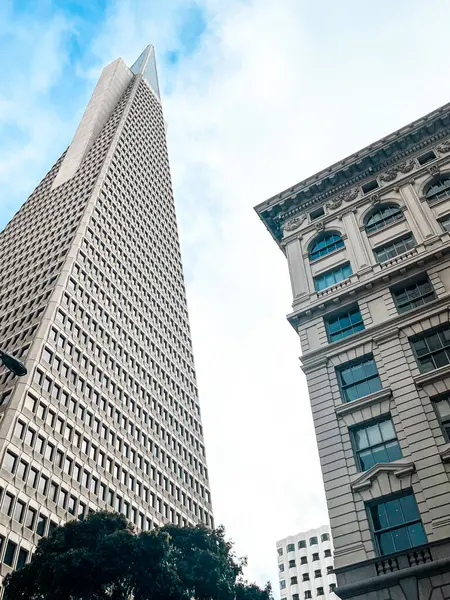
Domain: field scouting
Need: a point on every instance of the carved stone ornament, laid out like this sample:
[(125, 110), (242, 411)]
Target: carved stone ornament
[(406, 166), (392, 173), (294, 223), (348, 195), (375, 199), (444, 147), (320, 226), (434, 170), (389, 175), (335, 203)]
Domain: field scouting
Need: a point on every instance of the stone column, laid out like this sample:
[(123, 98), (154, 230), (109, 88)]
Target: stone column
[(419, 213), (299, 281), (355, 243)]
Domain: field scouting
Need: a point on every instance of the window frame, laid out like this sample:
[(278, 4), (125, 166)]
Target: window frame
[(393, 244), (438, 195), (365, 425), (339, 268), (443, 221), (405, 285), (337, 243), (383, 222), (346, 312), (355, 363), (375, 533), (432, 353)]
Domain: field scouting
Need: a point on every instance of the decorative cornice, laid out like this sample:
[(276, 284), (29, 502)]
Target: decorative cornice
[(349, 407), (395, 151), (400, 468)]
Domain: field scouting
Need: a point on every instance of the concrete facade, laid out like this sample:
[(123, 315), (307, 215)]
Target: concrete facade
[(305, 565), (93, 299), (388, 266)]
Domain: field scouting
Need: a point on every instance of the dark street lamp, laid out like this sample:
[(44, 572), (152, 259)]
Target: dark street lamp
[(12, 363)]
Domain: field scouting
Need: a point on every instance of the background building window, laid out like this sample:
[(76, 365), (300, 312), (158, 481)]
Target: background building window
[(442, 407), (394, 248), (376, 442), (345, 323), (324, 244), (439, 188), (304, 560), (280, 551), (325, 537), (291, 564), (432, 349), (305, 576), (282, 584), (411, 295), (358, 378), (308, 595), (327, 553), (315, 556), (302, 544), (290, 548), (383, 216), (320, 591), (396, 524), (313, 541), (294, 580), (331, 277)]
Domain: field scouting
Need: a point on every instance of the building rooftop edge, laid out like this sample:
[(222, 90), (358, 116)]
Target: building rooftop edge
[(355, 168), (305, 533)]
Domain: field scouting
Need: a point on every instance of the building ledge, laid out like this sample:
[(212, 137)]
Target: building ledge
[(400, 468), (424, 378), (348, 407)]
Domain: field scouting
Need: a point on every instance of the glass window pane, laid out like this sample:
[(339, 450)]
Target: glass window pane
[(401, 539), (409, 508), (394, 513), (393, 451), (417, 534), (366, 460), (387, 430), (379, 517), (374, 434), (361, 439), (386, 543)]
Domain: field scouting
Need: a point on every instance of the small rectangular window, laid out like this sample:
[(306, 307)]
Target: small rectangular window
[(316, 214), (302, 544), (375, 442), (290, 548), (423, 159), (22, 558), (394, 248), (10, 552), (396, 524), (369, 186), (41, 525), (332, 277), (325, 537), (346, 322), (432, 349), (358, 378), (313, 541), (412, 294)]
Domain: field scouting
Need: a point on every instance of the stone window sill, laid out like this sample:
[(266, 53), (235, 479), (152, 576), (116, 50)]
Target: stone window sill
[(348, 407), (424, 378)]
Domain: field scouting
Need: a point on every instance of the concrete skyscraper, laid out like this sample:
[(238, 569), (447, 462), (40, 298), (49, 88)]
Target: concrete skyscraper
[(305, 565), (368, 247), (93, 299)]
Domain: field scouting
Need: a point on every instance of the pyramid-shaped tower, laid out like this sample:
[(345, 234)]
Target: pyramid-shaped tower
[(93, 300)]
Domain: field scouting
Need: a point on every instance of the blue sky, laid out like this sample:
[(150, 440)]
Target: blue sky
[(257, 94)]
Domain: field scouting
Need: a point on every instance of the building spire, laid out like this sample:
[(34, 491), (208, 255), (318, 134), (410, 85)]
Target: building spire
[(146, 65)]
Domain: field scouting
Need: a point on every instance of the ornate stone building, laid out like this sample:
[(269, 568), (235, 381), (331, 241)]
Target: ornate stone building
[(93, 299), (368, 247)]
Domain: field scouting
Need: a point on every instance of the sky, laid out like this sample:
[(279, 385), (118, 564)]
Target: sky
[(257, 94)]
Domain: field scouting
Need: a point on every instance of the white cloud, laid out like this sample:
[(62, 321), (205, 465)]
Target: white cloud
[(275, 91)]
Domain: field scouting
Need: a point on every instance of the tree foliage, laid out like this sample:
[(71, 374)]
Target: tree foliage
[(101, 558)]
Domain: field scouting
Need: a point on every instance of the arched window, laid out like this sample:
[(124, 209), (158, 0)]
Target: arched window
[(383, 215), (324, 244), (439, 188)]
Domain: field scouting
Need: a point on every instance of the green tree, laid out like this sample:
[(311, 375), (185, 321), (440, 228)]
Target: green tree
[(101, 558)]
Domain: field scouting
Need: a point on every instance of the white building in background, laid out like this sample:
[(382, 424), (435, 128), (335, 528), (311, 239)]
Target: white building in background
[(305, 565)]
